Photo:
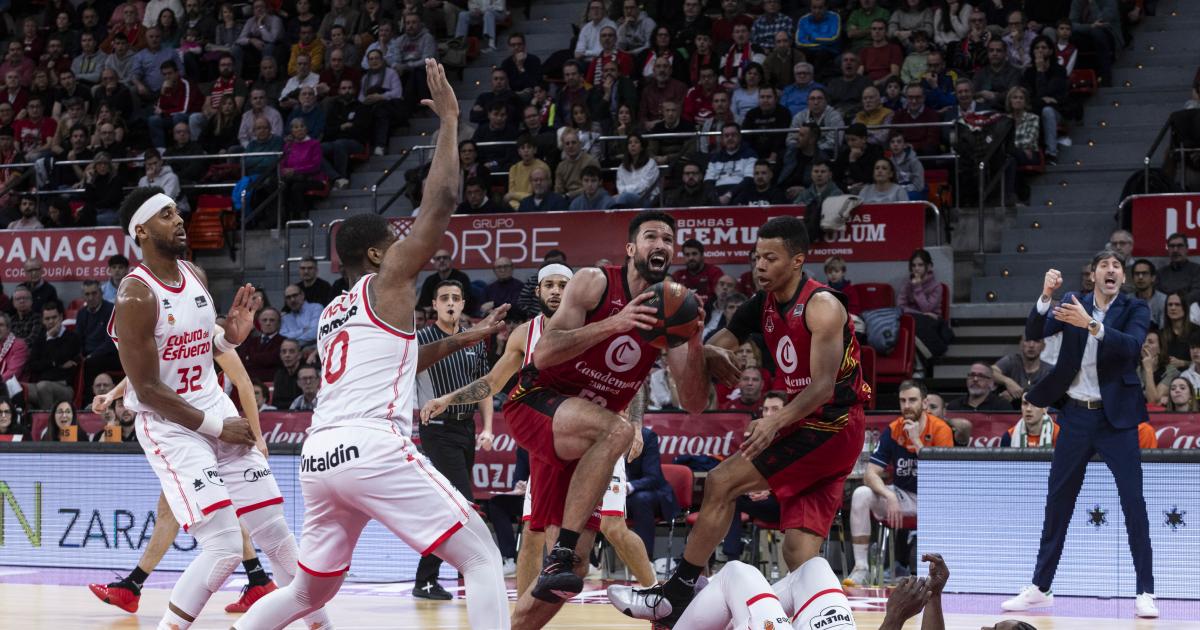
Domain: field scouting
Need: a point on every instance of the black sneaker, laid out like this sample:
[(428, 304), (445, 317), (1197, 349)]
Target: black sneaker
[(431, 590), (557, 581)]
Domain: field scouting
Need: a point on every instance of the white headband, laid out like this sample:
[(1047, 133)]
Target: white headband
[(147, 210), (555, 269)]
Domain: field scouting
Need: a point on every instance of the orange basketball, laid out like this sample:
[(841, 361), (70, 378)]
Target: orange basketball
[(678, 309)]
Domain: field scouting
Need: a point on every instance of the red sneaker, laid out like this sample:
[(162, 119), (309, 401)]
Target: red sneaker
[(250, 594), (123, 594)]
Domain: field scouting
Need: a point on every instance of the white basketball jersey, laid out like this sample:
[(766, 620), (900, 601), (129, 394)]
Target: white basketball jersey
[(531, 337), (183, 336), (370, 367)]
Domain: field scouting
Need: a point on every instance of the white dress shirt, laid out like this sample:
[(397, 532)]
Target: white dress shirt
[(1086, 385)]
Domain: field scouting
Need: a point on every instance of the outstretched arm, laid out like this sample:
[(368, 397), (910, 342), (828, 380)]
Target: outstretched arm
[(236, 371), (431, 353), (486, 386), (405, 258)]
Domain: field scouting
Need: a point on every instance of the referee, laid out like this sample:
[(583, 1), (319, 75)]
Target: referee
[(449, 439)]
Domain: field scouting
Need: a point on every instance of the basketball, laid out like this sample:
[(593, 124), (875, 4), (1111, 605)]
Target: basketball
[(678, 309)]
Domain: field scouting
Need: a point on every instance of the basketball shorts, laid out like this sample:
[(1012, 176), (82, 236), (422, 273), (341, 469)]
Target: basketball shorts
[(531, 422), (201, 474), (807, 469), (352, 474), (613, 503)]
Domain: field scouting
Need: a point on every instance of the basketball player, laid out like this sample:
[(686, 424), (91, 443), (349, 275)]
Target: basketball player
[(518, 353), (126, 593), (804, 452), (163, 326), (358, 462), (589, 364)]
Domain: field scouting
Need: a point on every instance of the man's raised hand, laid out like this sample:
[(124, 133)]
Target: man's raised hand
[(442, 99)]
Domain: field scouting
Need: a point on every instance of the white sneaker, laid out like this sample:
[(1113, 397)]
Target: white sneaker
[(649, 604), (857, 577), (510, 567), (1145, 605), (1030, 597)]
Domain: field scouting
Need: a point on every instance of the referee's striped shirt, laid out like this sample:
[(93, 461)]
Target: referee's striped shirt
[(455, 371)]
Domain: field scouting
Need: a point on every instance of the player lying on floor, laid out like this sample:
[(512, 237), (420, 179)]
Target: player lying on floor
[(738, 597)]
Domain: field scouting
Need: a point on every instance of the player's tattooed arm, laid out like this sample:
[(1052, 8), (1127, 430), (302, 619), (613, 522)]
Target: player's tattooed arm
[(475, 392), (487, 385), (635, 412)]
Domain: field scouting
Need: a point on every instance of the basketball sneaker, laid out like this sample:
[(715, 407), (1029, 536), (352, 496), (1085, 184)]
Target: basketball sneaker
[(1146, 606), (123, 594), (1029, 598), (650, 604), (250, 594), (558, 582), (857, 577)]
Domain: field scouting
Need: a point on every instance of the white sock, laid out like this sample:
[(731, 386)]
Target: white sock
[(221, 551), (860, 554), (270, 532), (472, 552)]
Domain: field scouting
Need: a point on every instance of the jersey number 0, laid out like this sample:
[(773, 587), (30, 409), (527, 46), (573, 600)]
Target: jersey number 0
[(338, 345)]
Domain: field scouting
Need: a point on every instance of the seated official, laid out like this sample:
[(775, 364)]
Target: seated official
[(898, 448)]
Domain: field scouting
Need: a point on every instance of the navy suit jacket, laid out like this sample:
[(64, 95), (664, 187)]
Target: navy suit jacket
[(1117, 357), (645, 474)]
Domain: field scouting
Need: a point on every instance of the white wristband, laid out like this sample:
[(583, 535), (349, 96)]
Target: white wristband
[(220, 345), (212, 426)]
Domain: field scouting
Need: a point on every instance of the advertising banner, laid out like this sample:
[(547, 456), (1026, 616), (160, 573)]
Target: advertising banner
[(67, 255), (97, 511), (717, 434), (985, 518), (874, 232), (1155, 217)]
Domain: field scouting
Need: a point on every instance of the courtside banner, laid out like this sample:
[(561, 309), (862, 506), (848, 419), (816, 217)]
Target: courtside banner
[(67, 255), (97, 511), (1155, 217), (716, 434), (875, 232)]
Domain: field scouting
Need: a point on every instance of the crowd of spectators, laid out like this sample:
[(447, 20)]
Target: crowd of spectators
[(86, 87), (840, 70)]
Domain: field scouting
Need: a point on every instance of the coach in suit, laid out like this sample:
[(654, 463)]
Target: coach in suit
[(650, 495), (1095, 384)]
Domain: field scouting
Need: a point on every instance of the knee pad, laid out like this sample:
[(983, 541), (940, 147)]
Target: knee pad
[(224, 552)]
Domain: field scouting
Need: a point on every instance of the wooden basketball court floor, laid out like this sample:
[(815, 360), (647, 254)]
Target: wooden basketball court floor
[(66, 606)]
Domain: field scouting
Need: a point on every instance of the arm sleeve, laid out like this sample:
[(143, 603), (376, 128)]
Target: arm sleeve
[(748, 318)]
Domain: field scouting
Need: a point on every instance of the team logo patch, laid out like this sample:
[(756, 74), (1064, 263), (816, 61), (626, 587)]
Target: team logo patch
[(170, 319), (197, 484), (797, 310), (213, 476), (201, 301), (785, 355), (832, 618), (622, 354), (769, 325)]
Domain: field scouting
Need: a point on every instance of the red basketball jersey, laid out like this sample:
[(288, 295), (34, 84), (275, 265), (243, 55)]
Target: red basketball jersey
[(790, 342), (608, 373)]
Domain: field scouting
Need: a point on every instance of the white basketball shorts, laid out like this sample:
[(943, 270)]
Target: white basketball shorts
[(201, 474), (351, 474)]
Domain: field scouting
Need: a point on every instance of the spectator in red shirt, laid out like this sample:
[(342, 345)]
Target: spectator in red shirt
[(260, 352), (177, 100), (16, 60), (608, 52), (882, 58), (227, 83), (698, 276), (749, 393), (12, 92), (924, 140), (722, 29), (35, 133), (697, 105)]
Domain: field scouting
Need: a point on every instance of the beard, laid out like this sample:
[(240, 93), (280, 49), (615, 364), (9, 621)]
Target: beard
[(642, 265), (169, 247), (546, 309)]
